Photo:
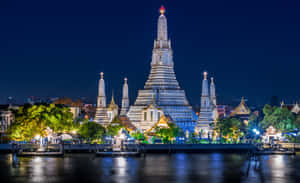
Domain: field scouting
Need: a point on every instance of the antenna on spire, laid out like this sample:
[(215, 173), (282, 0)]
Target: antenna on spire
[(212, 80), (125, 79), (162, 10), (101, 74)]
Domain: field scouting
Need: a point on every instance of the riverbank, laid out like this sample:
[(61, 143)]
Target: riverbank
[(150, 148)]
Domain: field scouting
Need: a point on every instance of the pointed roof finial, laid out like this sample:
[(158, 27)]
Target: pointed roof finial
[(125, 80), (205, 75), (101, 74), (212, 80), (282, 103), (162, 10), (112, 98), (242, 100)]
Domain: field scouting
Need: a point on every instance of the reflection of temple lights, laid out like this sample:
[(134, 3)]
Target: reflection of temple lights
[(122, 165)]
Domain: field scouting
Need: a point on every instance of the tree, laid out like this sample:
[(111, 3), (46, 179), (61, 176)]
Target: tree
[(231, 129), (139, 136), (280, 118), (114, 127), (32, 120), (91, 131), (167, 134)]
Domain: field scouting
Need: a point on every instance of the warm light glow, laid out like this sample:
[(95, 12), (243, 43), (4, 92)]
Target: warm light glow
[(37, 137), (162, 10), (74, 132)]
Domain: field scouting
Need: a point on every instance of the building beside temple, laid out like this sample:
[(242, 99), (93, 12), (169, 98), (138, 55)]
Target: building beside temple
[(162, 94), (112, 110), (242, 112)]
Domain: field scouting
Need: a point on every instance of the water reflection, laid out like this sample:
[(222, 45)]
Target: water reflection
[(158, 168)]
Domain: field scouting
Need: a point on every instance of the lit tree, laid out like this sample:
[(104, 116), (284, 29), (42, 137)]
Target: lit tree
[(32, 120), (91, 131), (280, 118)]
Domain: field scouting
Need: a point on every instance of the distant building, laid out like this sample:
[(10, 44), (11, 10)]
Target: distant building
[(6, 118), (222, 111), (75, 111)]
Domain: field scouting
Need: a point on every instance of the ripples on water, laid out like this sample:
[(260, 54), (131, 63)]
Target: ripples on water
[(157, 168)]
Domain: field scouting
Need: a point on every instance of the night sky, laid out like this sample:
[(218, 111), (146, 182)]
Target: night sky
[(57, 48)]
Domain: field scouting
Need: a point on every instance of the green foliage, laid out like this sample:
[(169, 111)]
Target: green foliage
[(34, 120), (280, 118), (168, 134), (138, 136), (113, 129), (231, 129), (91, 131)]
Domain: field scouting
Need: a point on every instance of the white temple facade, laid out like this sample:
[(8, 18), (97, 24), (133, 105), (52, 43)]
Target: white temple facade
[(162, 89)]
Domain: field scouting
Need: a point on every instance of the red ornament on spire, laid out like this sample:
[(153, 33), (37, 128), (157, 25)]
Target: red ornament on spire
[(162, 10)]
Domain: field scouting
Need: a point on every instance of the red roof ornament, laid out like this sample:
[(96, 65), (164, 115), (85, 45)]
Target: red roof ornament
[(162, 10)]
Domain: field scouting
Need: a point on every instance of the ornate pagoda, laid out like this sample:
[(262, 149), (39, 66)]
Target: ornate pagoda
[(162, 94)]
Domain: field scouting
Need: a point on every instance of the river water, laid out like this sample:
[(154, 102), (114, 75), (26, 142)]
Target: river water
[(157, 168)]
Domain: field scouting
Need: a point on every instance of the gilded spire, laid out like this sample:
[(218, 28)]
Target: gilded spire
[(101, 75), (112, 99)]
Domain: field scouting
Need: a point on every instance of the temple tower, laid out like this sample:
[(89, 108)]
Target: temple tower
[(205, 116), (213, 99), (162, 86), (101, 111), (125, 99)]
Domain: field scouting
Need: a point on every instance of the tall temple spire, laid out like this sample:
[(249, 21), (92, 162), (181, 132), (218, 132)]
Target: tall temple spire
[(125, 98), (162, 86), (206, 110), (101, 93), (213, 97), (101, 111), (205, 99)]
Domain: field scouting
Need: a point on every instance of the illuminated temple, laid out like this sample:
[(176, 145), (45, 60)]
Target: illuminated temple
[(162, 95)]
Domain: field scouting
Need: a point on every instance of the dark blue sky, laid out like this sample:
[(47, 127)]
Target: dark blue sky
[(57, 48)]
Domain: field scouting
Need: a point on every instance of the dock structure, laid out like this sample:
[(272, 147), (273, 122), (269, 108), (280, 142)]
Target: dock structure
[(275, 153), (37, 150), (124, 150)]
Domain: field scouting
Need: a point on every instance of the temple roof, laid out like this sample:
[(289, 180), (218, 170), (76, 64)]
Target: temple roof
[(241, 109), (112, 104), (162, 122), (296, 109)]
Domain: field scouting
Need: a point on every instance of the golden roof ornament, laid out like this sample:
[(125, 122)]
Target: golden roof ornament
[(162, 10)]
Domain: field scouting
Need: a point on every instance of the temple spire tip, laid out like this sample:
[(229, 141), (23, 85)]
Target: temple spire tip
[(205, 75), (162, 10), (101, 74)]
